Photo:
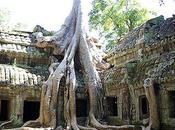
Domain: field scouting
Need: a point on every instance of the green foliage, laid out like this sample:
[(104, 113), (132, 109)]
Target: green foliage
[(114, 19)]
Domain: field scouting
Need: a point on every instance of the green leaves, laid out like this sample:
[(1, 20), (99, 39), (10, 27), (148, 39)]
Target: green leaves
[(113, 19)]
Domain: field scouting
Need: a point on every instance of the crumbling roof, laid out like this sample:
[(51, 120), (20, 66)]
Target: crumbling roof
[(151, 32), (10, 37), (17, 43), (146, 52), (15, 76), (17, 48)]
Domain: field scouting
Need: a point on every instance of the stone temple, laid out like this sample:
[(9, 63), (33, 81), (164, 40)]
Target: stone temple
[(146, 53)]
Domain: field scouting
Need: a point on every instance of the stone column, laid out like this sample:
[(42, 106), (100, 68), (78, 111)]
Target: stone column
[(17, 110), (0, 105)]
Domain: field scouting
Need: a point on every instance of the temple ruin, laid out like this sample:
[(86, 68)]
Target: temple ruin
[(146, 53)]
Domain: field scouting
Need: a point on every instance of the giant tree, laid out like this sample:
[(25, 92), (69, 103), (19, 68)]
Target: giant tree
[(74, 43)]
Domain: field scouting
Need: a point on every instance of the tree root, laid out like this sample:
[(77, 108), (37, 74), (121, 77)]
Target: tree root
[(72, 38), (29, 128), (32, 123), (6, 123), (154, 121), (86, 128), (100, 126)]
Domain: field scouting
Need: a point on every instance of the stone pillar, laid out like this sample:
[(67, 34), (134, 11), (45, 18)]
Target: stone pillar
[(17, 110), (133, 103), (125, 105), (0, 105), (119, 101), (137, 118)]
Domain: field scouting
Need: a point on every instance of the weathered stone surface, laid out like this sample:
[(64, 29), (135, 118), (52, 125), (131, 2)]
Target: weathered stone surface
[(15, 38), (16, 76), (146, 52), (23, 69), (154, 31)]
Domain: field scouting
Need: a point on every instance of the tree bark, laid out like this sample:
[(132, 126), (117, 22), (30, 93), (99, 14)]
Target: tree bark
[(153, 108), (72, 38)]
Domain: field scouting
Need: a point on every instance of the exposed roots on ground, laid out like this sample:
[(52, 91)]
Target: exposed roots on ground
[(29, 128), (72, 38), (6, 123)]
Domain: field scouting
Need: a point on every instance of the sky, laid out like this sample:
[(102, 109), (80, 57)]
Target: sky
[(167, 9), (47, 13), (52, 13)]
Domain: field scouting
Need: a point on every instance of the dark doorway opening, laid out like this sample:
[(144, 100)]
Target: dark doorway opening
[(4, 59), (112, 106), (81, 107), (143, 107), (171, 104), (31, 110), (4, 110)]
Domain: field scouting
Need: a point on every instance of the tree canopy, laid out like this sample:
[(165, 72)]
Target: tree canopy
[(113, 19)]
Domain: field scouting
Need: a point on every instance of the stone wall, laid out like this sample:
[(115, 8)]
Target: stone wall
[(146, 52), (23, 69)]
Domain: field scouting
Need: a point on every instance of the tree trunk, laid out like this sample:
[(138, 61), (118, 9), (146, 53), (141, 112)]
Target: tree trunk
[(72, 38), (150, 94)]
